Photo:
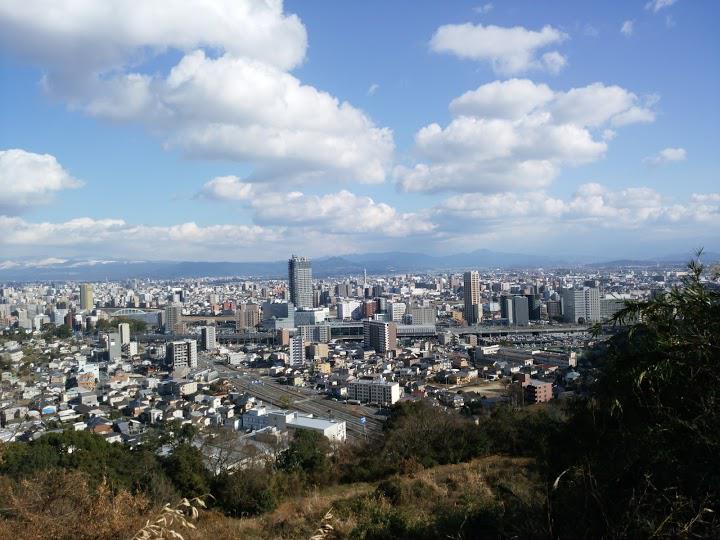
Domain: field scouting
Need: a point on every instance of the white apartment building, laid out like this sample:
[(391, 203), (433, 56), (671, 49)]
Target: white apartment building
[(378, 391), (181, 354)]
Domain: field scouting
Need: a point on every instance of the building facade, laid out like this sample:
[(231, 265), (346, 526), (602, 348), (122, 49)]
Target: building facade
[(300, 281), (471, 297), (378, 391), (379, 335), (181, 354), (87, 300)]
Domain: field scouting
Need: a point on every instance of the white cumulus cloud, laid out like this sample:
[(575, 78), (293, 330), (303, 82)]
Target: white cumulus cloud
[(517, 134), (510, 50), (667, 155), (28, 179), (229, 96)]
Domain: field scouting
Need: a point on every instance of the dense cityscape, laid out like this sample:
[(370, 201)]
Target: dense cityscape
[(260, 357)]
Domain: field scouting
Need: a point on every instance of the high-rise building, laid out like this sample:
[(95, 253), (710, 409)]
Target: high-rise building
[(396, 310), (515, 310), (300, 280), (87, 301), (173, 319), (297, 350), (208, 340), (554, 309), (379, 335), (610, 305), (124, 331), (181, 354), (247, 316), (581, 305), (533, 306), (471, 294)]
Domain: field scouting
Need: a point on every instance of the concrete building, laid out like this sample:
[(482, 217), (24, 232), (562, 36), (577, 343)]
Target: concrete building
[(300, 281), (380, 336), (87, 300), (349, 309), (208, 338), (247, 316), (423, 315), (174, 319), (124, 331), (515, 310), (581, 305), (261, 417), (278, 315), (377, 391), (315, 333), (538, 392), (610, 305), (297, 350), (471, 296), (181, 354), (396, 310)]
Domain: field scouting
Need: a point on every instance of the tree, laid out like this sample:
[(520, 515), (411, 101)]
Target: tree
[(245, 492), (307, 452), (186, 469), (640, 457)]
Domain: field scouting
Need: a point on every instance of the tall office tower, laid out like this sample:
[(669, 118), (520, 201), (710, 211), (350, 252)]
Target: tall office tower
[(207, 338), (379, 335), (297, 350), (554, 309), (124, 331), (592, 304), (173, 319), (181, 354), (573, 305), (533, 306), (471, 287), (515, 310), (369, 308), (247, 316), (87, 301), (396, 310), (581, 305), (300, 278)]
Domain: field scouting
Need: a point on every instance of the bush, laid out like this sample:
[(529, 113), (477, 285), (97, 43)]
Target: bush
[(244, 493)]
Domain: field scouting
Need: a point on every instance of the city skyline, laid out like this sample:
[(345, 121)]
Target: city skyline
[(508, 126)]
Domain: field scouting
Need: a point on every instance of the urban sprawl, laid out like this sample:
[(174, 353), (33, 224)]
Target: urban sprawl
[(247, 362)]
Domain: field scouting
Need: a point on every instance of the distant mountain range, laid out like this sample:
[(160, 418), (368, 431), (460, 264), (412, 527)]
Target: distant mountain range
[(353, 264)]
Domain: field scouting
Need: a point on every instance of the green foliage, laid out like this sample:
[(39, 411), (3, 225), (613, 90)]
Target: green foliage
[(110, 325), (187, 471), (418, 434), (51, 331), (120, 466), (244, 493), (640, 458), (307, 452)]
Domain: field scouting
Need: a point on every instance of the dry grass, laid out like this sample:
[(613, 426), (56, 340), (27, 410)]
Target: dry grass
[(61, 505), (301, 517)]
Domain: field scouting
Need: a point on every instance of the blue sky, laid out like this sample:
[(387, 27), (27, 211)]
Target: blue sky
[(246, 130)]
